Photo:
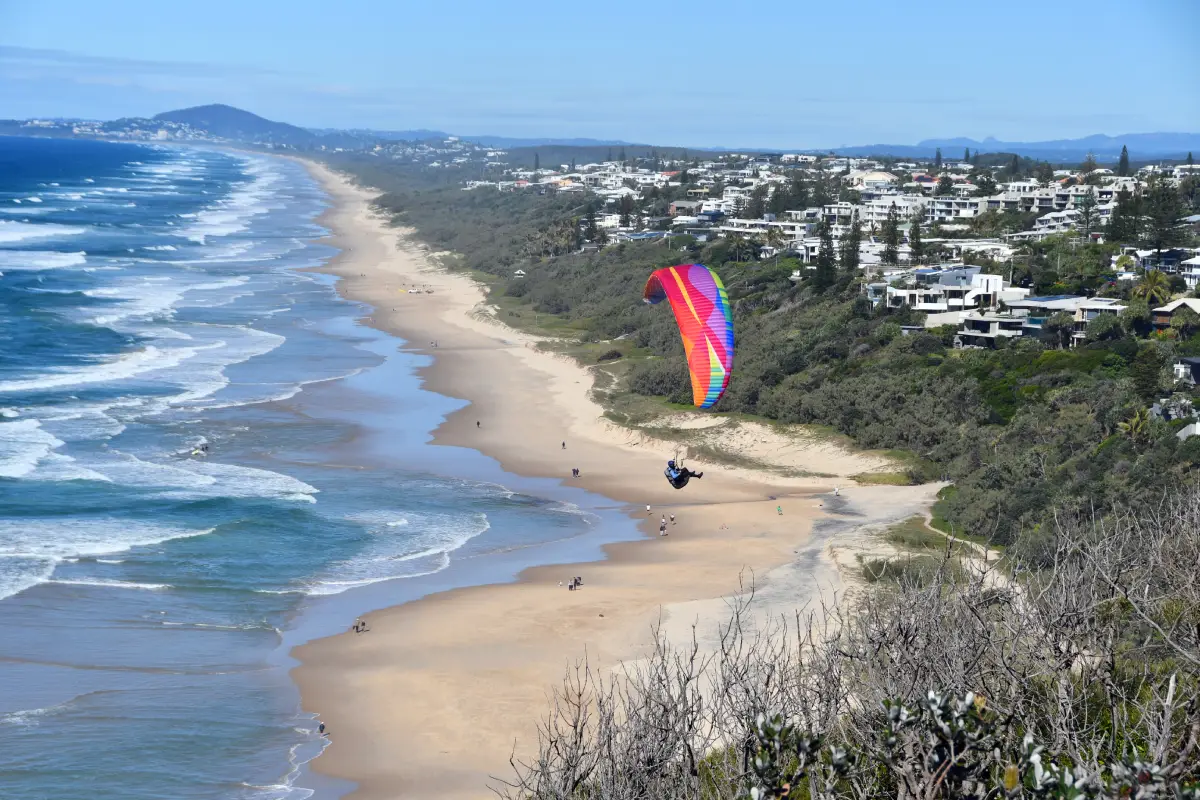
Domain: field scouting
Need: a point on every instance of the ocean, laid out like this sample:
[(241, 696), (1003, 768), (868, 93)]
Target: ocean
[(206, 459)]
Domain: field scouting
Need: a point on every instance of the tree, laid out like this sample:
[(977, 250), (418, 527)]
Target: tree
[(798, 191), (1154, 288), (1137, 426), (626, 210), (826, 274), (1146, 371), (1184, 322), (1125, 224), (1086, 206), (739, 207), (1089, 164), (1163, 210), (1136, 317), (851, 243), (945, 185), (622, 155), (1123, 163), (891, 237), (915, 245), (590, 231), (937, 159), (1014, 167), (775, 239), (537, 162), (610, 158), (967, 156), (1057, 329), (1044, 172), (572, 163), (985, 184), (757, 207), (1105, 328)]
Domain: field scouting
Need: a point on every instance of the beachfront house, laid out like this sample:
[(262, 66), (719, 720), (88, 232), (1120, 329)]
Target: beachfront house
[(1026, 317), (1163, 315), (1186, 371), (983, 329)]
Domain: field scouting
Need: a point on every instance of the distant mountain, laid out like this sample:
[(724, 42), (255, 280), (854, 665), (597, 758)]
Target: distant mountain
[(417, 135), (1141, 146), (505, 141), (234, 123)]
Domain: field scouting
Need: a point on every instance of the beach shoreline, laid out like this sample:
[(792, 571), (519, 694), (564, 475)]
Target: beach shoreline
[(441, 691)]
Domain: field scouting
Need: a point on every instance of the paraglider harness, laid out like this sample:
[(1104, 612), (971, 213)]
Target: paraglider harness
[(678, 475)]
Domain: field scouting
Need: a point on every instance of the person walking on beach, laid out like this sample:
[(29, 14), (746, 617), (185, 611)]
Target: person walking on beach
[(564, 445), (672, 519), (478, 424), (321, 729), (647, 509), (780, 510)]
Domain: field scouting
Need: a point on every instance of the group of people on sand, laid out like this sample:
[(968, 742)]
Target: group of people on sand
[(573, 583), (360, 625)]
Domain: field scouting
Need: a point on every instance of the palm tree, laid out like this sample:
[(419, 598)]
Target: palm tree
[(1137, 426), (1154, 287)]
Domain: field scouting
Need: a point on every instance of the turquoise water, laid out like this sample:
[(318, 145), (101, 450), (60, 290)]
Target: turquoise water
[(151, 304)]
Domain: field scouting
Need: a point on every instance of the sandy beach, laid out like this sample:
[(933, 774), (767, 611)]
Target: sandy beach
[(434, 699)]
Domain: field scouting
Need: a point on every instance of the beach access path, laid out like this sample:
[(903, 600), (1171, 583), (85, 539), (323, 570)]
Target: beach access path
[(434, 700)]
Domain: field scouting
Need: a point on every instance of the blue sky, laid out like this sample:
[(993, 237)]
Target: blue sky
[(791, 73)]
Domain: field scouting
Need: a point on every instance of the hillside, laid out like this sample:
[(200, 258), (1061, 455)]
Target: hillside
[(234, 123)]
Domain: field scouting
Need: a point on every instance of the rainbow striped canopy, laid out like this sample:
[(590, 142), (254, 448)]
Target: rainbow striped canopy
[(702, 310)]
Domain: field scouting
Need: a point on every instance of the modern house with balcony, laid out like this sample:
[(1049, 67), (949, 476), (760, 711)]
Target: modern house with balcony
[(984, 328), (1027, 316), (939, 290)]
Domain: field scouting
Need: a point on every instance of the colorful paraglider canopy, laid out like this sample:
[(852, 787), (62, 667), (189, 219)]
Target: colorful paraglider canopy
[(702, 310)]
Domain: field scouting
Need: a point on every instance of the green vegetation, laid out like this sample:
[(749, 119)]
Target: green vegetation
[(913, 535), (1020, 430)]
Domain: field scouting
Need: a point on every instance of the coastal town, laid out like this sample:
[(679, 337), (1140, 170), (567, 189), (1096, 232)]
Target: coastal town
[(883, 207), (780, 402)]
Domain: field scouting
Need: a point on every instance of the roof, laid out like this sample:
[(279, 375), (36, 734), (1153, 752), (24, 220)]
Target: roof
[(1191, 302), (1050, 298)]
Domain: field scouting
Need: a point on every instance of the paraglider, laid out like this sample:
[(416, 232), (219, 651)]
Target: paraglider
[(705, 320), (678, 475)]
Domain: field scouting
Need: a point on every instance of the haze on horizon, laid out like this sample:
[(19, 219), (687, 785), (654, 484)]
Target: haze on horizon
[(776, 74)]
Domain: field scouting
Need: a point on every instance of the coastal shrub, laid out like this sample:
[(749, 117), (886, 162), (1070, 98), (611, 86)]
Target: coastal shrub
[(609, 355), (550, 301), (662, 378)]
